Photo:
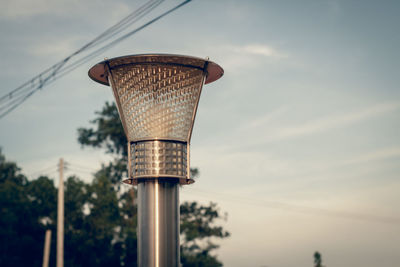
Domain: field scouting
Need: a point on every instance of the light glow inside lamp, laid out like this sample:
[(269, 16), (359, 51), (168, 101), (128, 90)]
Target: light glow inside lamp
[(157, 96)]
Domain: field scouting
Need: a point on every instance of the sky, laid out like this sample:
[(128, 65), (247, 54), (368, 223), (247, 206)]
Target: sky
[(298, 142)]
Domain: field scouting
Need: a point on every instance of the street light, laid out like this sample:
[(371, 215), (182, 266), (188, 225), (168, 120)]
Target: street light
[(157, 97)]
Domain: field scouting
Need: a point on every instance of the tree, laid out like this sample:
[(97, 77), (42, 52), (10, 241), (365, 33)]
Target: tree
[(318, 259), (100, 218), (25, 214), (93, 220), (197, 221), (95, 238), (197, 229)]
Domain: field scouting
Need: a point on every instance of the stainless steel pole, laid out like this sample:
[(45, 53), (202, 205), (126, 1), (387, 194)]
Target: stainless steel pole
[(158, 224)]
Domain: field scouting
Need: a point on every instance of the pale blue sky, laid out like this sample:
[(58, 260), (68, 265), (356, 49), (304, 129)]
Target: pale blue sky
[(307, 114)]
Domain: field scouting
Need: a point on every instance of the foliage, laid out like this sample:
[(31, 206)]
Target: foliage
[(100, 223), (93, 221), (318, 259), (100, 218), (197, 229), (108, 134), (22, 214)]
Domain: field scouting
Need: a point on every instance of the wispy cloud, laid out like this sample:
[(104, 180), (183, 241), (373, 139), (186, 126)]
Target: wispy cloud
[(337, 121), (20, 9), (266, 119), (237, 57), (17, 9), (381, 154), (259, 50), (56, 47)]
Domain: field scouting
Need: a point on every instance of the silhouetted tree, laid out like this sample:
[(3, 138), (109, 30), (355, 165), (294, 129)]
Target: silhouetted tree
[(100, 218), (318, 259), (25, 209)]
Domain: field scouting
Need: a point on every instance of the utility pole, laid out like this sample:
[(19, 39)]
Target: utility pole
[(46, 252), (60, 217)]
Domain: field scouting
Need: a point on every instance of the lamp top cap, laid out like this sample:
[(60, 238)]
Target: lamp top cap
[(213, 70)]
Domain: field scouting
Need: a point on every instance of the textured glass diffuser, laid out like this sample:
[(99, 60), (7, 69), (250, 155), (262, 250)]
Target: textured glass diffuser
[(157, 97)]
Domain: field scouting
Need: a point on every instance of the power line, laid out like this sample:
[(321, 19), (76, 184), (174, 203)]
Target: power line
[(44, 174), (77, 168), (75, 165), (16, 97), (23, 92), (132, 17), (73, 171), (46, 170)]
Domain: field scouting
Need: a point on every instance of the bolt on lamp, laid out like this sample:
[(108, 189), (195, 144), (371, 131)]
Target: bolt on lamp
[(157, 96)]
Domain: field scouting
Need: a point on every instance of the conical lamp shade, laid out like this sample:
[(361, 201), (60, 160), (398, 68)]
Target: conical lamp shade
[(157, 97)]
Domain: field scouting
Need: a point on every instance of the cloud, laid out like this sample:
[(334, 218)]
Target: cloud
[(265, 119), (259, 50), (328, 123), (237, 57), (19, 9), (57, 47), (381, 154)]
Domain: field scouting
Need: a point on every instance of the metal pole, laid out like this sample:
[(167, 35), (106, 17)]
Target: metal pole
[(158, 223), (60, 217), (46, 252)]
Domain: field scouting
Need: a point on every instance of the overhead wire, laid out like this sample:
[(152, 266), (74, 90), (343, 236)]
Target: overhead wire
[(75, 165), (73, 170), (131, 18), (125, 22), (49, 169), (30, 89), (23, 92), (77, 168), (81, 61)]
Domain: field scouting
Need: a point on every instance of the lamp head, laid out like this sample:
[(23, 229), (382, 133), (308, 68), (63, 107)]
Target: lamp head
[(157, 97)]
